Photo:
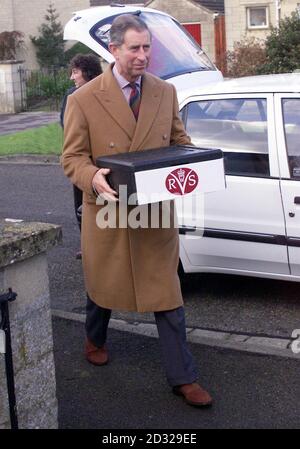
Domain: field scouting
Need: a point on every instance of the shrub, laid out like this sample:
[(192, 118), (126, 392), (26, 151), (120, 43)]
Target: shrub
[(10, 42), (283, 46), (246, 58), (51, 86)]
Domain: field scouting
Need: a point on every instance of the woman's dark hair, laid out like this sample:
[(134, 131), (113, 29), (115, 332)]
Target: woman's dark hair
[(89, 65)]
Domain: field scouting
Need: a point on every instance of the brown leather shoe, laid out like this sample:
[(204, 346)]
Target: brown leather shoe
[(94, 355), (193, 394)]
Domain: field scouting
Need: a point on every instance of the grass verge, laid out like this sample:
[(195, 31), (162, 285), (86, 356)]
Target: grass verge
[(43, 140)]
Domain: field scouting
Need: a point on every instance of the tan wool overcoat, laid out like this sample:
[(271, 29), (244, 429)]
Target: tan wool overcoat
[(124, 268)]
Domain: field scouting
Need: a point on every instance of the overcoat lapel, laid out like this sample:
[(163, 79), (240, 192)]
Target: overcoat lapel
[(150, 101), (109, 94)]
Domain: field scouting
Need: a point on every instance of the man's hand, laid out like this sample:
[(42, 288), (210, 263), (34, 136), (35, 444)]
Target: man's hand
[(102, 187)]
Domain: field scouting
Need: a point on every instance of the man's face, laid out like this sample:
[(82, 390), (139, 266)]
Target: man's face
[(132, 57)]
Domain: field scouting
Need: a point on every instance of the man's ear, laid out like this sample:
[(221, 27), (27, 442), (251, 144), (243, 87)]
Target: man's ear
[(113, 49)]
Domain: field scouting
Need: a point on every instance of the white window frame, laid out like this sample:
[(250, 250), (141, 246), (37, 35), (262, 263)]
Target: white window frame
[(257, 27), (280, 133)]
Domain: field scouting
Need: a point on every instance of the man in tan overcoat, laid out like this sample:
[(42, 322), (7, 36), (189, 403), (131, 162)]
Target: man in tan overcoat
[(126, 109)]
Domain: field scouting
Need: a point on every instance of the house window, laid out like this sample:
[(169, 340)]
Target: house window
[(257, 17)]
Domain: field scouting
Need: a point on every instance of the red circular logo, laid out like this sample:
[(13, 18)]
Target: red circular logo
[(182, 181)]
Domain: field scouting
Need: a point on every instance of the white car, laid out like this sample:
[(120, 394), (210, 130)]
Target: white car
[(253, 226)]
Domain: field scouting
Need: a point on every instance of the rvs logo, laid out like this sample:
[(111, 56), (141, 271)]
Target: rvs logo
[(182, 181)]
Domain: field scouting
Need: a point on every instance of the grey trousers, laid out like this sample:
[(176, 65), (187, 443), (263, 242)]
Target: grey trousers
[(178, 361)]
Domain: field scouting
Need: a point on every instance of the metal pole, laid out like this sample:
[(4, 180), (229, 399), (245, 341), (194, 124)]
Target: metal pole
[(5, 325), (21, 87), (55, 87)]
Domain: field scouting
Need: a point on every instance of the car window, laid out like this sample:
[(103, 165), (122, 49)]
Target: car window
[(291, 122), (238, 126)]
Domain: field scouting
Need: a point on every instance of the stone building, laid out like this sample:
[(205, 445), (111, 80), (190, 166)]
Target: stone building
[(27, 15), (254, 18)]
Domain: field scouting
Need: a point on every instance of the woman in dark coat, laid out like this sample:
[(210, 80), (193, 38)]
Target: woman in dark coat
[(83, 68)]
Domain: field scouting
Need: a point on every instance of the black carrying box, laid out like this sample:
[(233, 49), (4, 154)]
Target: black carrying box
[(125, 166)]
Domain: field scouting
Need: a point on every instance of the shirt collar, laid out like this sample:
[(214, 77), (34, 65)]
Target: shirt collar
[(123, 82)]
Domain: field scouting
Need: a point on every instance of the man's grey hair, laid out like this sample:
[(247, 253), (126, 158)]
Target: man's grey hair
[(123, 23)]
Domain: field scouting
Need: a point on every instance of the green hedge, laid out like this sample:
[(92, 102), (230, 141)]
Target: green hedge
[(48, 85)]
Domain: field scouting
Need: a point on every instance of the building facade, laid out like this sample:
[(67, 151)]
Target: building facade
[(28, 15), (254, 18)]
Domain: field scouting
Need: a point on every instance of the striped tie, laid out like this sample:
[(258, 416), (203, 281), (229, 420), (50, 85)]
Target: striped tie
[(135, 99)]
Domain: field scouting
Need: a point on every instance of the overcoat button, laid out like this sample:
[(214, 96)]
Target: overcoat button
[(111, 145), (165, 136)]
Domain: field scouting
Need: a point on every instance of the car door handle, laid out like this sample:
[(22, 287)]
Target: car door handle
[(297, 200)]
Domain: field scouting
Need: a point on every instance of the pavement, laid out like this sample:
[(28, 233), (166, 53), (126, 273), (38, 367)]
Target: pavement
[(254, 379), (11, 123), (250, 390)]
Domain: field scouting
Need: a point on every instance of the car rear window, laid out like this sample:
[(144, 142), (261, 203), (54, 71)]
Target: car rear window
[(174, 51)]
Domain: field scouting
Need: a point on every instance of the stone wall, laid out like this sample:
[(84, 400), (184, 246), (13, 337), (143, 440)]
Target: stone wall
[(6, 16), (11, 90), (236, 19), (28, 15), (23, 267)]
